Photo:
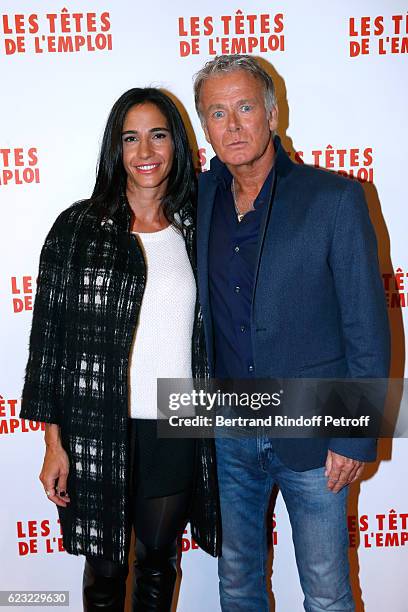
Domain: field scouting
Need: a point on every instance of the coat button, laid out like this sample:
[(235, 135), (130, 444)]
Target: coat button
[(237, 289)]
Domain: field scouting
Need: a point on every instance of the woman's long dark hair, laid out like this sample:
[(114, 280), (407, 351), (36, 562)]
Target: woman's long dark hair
[(110, 185)]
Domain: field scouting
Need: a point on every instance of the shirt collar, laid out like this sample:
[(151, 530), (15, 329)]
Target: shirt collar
[(221, 172), (224, 177)]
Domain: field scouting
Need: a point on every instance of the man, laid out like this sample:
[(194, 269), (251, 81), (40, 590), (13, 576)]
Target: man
[(289, 287)]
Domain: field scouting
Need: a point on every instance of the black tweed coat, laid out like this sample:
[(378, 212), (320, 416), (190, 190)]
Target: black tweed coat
[(91, 280)]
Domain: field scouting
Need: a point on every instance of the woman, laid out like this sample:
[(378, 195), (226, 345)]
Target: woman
[(115, 309)]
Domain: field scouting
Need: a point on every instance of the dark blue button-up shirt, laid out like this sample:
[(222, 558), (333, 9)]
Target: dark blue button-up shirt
[(233, 250)]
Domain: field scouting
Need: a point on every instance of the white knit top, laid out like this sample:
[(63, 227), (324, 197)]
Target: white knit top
[(162, 343)]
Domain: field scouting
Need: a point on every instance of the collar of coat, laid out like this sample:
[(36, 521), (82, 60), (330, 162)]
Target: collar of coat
[(122, 216)]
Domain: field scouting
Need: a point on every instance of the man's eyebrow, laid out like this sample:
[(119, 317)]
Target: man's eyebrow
[(214, 106), (155, 129), (239, 103), (247, 101)]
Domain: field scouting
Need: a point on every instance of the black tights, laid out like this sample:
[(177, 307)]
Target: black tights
[(157, 522)]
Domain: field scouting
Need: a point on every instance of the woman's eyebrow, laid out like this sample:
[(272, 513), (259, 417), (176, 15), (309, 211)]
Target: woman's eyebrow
[(155, 129)]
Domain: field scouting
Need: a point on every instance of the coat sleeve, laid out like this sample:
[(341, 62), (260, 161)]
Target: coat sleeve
[(354, 264), (39, 397)]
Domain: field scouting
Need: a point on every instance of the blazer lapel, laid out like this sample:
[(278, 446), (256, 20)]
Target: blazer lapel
[(283, 165), (206, 198)]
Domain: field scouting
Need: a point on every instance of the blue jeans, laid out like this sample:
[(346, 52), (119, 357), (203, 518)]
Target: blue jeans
[(247, 470)]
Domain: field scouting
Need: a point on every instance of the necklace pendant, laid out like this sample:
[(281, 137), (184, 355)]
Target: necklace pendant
[(240, 216)]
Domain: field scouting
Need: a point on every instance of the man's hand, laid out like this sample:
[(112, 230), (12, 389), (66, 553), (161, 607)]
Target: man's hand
[(341, 471)]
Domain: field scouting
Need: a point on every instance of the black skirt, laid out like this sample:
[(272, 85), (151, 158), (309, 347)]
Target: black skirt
[(160, 466)]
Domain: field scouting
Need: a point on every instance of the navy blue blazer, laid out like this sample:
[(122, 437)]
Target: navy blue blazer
[(318, 307)]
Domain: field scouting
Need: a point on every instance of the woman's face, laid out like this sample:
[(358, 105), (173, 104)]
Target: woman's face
[(147, 146)]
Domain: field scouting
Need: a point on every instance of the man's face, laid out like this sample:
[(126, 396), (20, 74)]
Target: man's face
[(236, 122)]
